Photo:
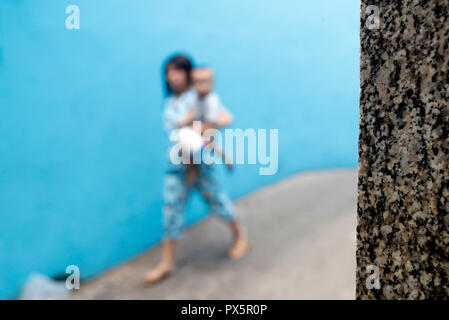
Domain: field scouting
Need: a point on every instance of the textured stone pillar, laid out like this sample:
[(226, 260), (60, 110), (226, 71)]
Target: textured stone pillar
[(403, 191)]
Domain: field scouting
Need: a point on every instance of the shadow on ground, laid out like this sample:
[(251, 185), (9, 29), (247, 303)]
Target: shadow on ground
[(303, 232)]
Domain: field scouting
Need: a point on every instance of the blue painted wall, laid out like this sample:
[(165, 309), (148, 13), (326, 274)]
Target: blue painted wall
[(81, 153)]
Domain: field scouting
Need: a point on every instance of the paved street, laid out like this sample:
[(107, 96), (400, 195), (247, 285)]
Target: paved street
[(302, 231)]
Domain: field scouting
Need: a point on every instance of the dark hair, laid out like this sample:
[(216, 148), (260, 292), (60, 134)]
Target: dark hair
[(180, 62)]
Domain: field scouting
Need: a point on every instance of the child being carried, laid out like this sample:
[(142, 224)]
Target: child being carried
[(206, 108)]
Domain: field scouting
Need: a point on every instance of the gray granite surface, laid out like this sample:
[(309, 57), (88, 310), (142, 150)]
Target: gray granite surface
[(403, 191)]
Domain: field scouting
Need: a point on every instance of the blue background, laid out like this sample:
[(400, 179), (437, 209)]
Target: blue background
[(81, 156)]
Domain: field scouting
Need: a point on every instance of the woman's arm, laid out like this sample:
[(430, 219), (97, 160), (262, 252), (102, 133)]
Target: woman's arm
[(187, 120)]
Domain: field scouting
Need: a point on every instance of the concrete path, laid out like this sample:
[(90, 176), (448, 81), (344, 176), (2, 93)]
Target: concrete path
[(303, 233)]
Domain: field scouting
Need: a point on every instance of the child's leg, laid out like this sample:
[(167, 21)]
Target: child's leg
[(192, 174), (175, 198), (220, 204)]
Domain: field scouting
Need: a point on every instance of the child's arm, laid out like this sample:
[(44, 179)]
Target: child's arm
[(224, 119), (215, 114)]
